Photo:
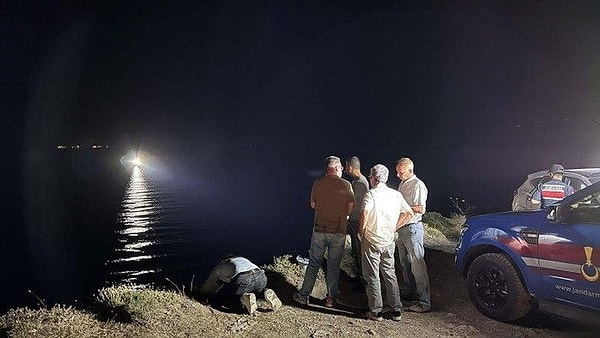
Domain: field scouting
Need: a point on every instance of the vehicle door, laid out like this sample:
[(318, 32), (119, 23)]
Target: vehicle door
[(576, 181), (569, 251)]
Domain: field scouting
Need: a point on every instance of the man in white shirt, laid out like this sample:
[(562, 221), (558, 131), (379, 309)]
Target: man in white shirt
[(384, 211), (411, 250)]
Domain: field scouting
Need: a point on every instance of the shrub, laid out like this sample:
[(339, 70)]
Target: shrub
[(133, 304), (450, 227)]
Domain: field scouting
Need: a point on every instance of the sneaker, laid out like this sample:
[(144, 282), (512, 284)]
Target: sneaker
[(298, 298), (272, 299), (330, 302), (374, 316), (420, 308), (249, 302), (396, 316)]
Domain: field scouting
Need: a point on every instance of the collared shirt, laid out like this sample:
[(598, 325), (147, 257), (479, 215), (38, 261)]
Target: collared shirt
[(224, 272), (383, 206), (414, 192)]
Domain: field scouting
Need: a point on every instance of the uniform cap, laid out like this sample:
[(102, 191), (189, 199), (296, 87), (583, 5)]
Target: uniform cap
[(556, 169)]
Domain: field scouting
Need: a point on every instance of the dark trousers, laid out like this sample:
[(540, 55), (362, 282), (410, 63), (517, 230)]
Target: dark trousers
[(355, 243)]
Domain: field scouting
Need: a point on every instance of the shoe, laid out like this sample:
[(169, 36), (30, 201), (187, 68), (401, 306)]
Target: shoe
[(374, 316), (420, 308), (330, 302), (272, 299), (298, 298), (249, 302), (396, 316)]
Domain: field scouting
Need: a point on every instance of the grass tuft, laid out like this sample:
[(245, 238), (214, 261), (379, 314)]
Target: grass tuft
[(448, 227), (128, 303)]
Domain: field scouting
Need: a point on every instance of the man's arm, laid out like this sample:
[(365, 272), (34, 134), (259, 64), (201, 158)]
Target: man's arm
[(212, 284), (418, 209), (418, 205), (361, 224), (403, 219)]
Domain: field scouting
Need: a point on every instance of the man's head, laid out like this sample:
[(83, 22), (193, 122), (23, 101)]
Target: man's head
[(333, 166), (379, 174), (353, 166), (404, 168), (556, 171)]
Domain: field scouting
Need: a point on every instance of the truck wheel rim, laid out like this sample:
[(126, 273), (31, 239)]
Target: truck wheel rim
[(491, 288)]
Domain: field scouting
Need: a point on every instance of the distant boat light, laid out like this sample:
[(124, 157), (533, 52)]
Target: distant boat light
[(136, 161)]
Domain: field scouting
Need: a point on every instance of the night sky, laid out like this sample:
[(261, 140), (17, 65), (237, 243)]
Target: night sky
[(477, 94)]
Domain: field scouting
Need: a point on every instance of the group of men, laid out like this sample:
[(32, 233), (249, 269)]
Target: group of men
[(380, 220)]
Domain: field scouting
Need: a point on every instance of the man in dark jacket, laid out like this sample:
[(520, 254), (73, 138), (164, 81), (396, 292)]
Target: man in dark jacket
[(554, 190)]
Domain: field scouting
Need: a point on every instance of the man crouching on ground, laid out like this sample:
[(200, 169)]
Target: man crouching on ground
[(234, 282), (384, 211)]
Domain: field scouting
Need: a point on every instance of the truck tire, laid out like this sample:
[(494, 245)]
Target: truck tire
[(496, 289)]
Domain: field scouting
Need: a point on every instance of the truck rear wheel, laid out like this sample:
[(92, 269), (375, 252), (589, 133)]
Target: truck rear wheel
[(496, 289)]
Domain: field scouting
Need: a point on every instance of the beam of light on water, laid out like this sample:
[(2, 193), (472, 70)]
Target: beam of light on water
[(140, 211)]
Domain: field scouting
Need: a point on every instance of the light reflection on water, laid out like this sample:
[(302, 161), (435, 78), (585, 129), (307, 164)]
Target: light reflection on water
[(172, 228), (141, 237)]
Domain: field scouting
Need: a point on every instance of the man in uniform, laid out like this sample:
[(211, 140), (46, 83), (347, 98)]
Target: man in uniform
[(554, 190)]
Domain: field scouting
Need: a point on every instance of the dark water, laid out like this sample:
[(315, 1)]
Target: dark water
[(91, 220)]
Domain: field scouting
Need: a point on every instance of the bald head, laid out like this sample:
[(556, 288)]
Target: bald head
[(405, 168)]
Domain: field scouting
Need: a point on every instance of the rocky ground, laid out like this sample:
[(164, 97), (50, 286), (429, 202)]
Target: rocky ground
[(169, 314), (452, 313)]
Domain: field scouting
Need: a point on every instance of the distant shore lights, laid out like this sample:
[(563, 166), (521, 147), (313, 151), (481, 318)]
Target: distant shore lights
[(78, 147)]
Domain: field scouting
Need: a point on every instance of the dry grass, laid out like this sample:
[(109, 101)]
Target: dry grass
[(136, 313), (447, 227)]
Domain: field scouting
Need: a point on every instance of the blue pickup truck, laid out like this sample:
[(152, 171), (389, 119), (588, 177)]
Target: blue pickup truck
[(548, 258)]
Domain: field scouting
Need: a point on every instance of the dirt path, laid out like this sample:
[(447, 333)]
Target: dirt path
[(452, 313)]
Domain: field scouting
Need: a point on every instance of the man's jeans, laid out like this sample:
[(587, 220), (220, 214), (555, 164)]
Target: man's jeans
[(334, 244), (229, 295), (251, 281), (375, 262), (412, 259)]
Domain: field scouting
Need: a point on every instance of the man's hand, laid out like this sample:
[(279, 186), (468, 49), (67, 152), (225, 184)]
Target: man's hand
[(403, 219)]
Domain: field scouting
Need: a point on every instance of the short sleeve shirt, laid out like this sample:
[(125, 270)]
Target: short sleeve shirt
[(331, 195), (414, 192), (360, 187), (383, 206)]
